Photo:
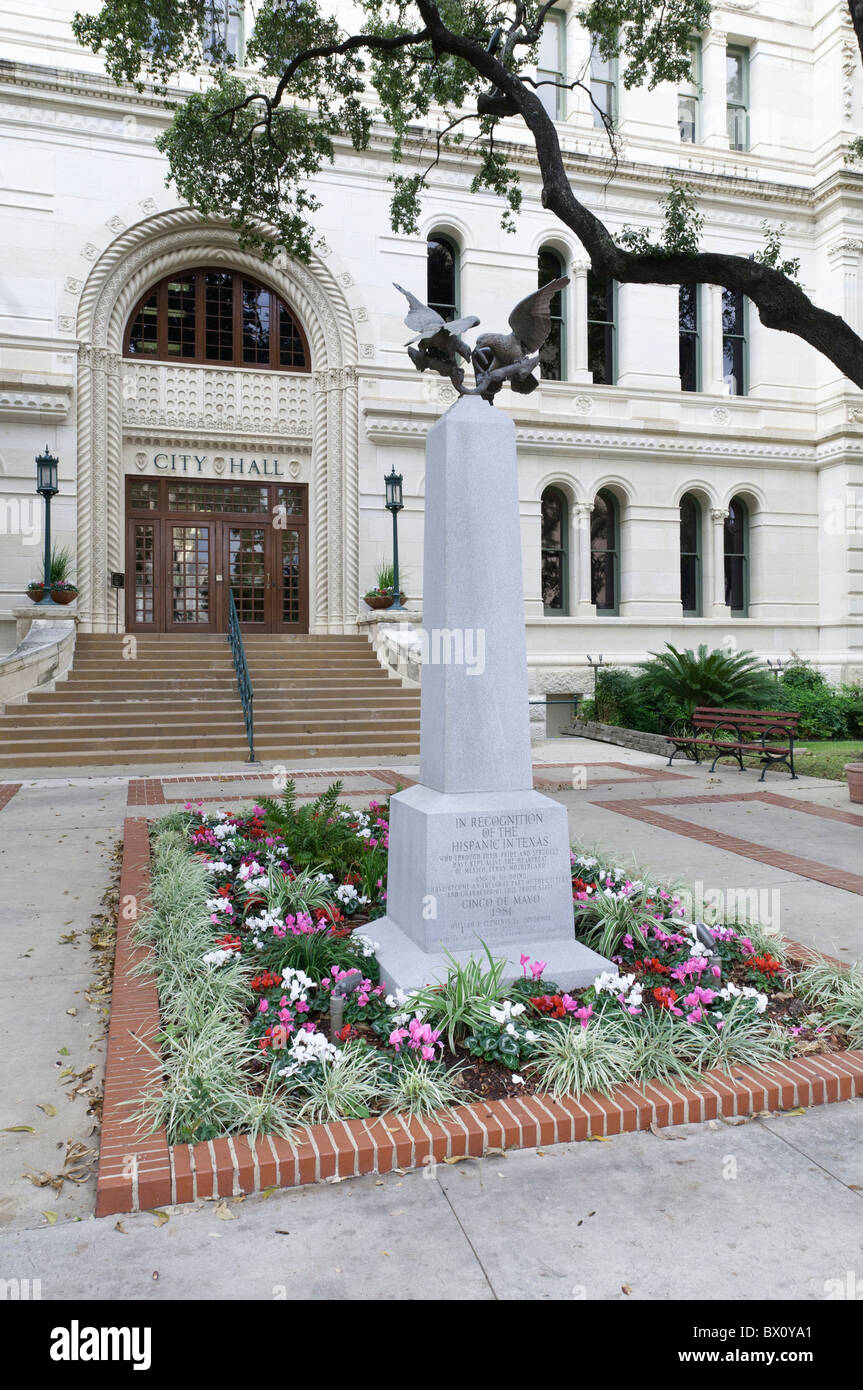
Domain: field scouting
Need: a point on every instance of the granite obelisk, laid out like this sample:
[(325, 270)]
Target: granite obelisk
[(476, 855)]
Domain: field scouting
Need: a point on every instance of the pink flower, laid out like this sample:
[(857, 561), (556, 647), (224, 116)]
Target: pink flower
[(263, 1006), (537, 968), (584, 1014)]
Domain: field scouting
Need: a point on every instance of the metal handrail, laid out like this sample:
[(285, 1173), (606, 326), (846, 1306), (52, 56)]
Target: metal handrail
[(244, 684)]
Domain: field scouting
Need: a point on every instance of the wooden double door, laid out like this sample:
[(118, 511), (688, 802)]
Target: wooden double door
[(189, 544)]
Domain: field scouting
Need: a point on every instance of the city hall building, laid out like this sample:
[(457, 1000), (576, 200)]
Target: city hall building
[(224, 425)]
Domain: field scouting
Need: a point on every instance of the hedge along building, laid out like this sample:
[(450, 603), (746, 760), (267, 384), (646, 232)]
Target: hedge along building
[(686, 474)]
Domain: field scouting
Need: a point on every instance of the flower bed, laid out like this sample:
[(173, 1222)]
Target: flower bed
[(260, 918)]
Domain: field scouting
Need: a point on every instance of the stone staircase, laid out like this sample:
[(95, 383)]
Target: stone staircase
[(177, 702)]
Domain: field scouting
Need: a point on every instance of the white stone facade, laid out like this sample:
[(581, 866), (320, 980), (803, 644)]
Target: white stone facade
[(88, 225)]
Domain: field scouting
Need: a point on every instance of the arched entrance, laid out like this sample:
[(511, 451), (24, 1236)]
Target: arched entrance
[(233, 424)]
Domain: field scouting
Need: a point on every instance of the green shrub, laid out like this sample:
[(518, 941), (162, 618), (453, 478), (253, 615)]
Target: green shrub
[(717, 678)]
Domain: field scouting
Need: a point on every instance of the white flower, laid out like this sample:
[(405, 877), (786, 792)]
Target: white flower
[(519, 1080), (510, 1028), (216, 958), (309, 1047)]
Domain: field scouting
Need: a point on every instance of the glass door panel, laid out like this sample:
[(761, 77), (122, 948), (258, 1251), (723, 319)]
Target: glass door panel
[(191, 587), (248, 574)]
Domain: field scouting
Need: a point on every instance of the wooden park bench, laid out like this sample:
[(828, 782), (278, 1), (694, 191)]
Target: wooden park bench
[(735, 733)]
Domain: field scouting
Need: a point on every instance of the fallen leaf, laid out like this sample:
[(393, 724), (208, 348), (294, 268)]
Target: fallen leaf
[(162, 1218), (19, 1129), (118, 1226), (223, 1212), (600, 1138), (664, 1133), (626, 1288), (799, 1111), (63, 1051), (50, 1217), (268, 1192), (49, 1109), (458, 1158), (283, 1233), (73, 1012)]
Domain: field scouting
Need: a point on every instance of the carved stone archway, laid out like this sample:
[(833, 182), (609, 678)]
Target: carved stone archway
[(141, 255)]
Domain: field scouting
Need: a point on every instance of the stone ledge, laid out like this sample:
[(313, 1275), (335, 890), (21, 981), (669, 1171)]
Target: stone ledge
[(624, 738), (46, 647)]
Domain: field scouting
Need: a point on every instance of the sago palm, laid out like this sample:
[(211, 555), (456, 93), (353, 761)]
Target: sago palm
[(718, 678)]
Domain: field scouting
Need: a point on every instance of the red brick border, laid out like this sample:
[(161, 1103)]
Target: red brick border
[(139, 1171), (7, 791)]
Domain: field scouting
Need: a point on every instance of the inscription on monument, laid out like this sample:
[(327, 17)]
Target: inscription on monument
[(497, 875)]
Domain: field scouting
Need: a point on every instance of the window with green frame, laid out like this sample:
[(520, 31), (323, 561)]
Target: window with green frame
[(555, 553), (443, 276), (603, 88), (552, 354), (689, 100), (223, 30), (689, 336), (737, 97), (735, 342), (601, 347), (551, 65), (605, 553), (690, 556), (737, 558)]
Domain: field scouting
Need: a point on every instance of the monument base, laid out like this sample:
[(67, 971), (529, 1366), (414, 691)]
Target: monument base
[(468, 868), (406, 966)]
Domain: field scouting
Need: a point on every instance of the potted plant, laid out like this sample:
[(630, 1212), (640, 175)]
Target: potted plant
[(62, 589), (854, 774), (36, 590), (382, 595)]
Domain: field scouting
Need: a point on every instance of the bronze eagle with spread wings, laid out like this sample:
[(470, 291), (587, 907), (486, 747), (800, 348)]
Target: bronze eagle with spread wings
[(497, 357)]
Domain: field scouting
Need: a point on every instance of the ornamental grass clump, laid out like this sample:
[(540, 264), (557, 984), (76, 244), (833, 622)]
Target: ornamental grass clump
[(462, 1004), (571, 1058), (742, 1036), (346, 1085), (838, 990), (416, 1086)]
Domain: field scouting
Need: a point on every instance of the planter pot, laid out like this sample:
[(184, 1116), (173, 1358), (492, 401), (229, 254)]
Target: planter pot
[(854, 773), (64, 595), (379, 600), (36, 595)]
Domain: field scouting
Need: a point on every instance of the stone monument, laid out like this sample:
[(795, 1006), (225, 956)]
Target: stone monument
[(476, 855)]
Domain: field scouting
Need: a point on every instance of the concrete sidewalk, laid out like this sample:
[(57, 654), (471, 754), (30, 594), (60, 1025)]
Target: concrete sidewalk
[(763, 1210), (55, 862)]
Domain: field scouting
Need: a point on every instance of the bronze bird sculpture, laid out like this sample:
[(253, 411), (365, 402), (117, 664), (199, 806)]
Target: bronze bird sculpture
[(513, 356), (438, 341)]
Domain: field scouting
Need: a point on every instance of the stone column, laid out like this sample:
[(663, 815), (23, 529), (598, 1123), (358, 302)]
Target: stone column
[(577, 369), (582, 606), (712, 368), (718, 608), (714, 130), (476, 855)]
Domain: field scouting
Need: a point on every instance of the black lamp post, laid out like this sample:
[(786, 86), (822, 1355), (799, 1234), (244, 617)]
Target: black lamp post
[(46, 484), (394, 504)]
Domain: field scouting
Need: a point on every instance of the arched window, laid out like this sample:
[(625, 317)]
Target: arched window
[(605, 553), (601, 352), (443, 293), (216, 316), (690, 556), (555, 552), (552, 355), (737, 557)]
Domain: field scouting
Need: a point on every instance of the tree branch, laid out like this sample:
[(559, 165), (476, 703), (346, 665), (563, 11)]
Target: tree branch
[(781, 304)]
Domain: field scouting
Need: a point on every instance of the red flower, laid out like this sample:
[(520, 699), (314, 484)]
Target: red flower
[(344, 1033), (665, 996), (765, 965)]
